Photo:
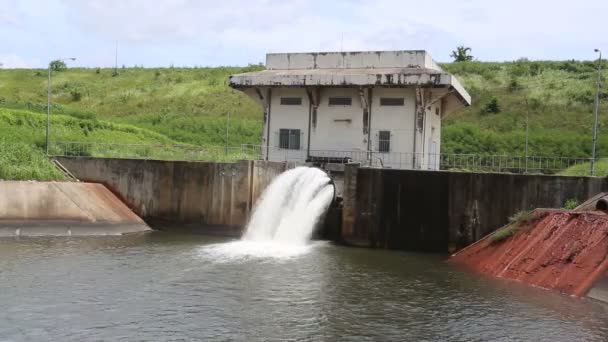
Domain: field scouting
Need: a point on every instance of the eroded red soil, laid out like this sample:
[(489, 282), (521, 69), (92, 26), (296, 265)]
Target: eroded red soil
[(560, 250)]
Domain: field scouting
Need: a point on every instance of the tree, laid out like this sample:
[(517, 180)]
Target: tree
[(58, 65), (461, 54)]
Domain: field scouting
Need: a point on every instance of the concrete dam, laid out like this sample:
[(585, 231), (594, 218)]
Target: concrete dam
[(426, 211)]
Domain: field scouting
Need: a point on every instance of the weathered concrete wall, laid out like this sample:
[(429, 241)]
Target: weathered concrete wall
[(445, 211), (354, 60), (63, 208), (181, 192)]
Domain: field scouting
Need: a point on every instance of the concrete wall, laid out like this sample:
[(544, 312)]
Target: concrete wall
[(63, 208), (399, 120), (339, 128), (200, 193), (342, 132), (444, 211), (346, 60), (289, 117)]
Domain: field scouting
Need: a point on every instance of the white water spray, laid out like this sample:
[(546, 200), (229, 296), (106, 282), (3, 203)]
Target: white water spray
[(284, 219), (290, 207)]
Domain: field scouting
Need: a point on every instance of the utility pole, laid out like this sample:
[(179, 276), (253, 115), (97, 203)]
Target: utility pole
[(596, 105), (48, 110), (48, 104), (115, 72), (527, 133), (227, 124)]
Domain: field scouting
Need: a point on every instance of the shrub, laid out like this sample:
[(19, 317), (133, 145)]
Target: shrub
[(515, 223), (492, 106), (571, 204), (76, 94)]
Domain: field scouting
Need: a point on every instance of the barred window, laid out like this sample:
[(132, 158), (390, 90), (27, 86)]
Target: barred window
[(340, 101), (392, 101), (384, 141), (289, 139), (291, 101)]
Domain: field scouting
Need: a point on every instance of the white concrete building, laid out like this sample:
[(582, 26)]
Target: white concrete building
[(382, 108)]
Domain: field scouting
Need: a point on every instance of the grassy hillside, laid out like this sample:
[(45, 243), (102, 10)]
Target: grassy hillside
[(22, 141), (190, 106), (186, 105), (557, 96)]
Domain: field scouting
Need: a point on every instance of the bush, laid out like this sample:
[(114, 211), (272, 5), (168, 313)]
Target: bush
[(515, 223), (76, 94), (492, 106), (571, 204)]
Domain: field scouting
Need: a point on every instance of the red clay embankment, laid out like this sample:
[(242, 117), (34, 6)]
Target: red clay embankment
[(560, 250), (63, 208)]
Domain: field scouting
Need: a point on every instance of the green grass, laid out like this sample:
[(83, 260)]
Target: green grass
[(600, 169), (557, 96), (514, 225), (23, 141), (22, 161), (571, 204), (188, 105), (29, 127)]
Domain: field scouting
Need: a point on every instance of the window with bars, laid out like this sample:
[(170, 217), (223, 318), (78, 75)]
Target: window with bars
[(291, 101), (289, 139), (340, 101), (384, 141), (392, 101)]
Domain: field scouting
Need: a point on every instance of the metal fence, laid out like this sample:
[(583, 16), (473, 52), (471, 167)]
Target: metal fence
[(394, 160)]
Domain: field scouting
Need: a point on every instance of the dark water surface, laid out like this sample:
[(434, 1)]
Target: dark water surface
[(165, 287)]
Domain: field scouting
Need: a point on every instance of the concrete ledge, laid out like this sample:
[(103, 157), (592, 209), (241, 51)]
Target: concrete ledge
[(599, 291), (69, 228), (64, 209)]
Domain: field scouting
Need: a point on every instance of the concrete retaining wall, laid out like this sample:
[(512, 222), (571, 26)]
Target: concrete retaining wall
[(180, 192), (63, 208), (399, 209), (445, 211)]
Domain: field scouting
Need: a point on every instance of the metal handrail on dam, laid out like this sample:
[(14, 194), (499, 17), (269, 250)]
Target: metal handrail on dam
[(495, 163)]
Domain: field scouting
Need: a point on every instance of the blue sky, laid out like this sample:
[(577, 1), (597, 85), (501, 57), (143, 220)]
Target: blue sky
[(238, 32)]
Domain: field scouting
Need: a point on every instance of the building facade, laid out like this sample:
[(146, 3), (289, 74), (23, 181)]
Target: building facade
[(378, 108)]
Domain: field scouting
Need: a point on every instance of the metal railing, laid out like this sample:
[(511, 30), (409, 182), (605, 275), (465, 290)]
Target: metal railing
[(153, 151), (422, 161)]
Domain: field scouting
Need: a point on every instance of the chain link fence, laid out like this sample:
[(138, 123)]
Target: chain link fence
[(421, 161)]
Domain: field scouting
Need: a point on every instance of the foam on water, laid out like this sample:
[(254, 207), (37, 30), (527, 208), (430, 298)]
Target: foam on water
[(283, 221)]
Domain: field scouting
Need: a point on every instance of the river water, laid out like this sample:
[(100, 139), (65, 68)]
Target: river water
[(170, 287)]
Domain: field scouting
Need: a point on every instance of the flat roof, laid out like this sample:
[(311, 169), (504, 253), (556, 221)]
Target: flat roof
[(398, 69), (345, 78)]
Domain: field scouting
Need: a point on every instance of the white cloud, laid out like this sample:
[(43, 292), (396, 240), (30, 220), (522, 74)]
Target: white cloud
[(208, 32), (178, 20), (12, 61), (8, 12)]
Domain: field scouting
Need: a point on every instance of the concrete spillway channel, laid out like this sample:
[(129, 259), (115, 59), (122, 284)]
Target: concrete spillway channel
[(63, 209)]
